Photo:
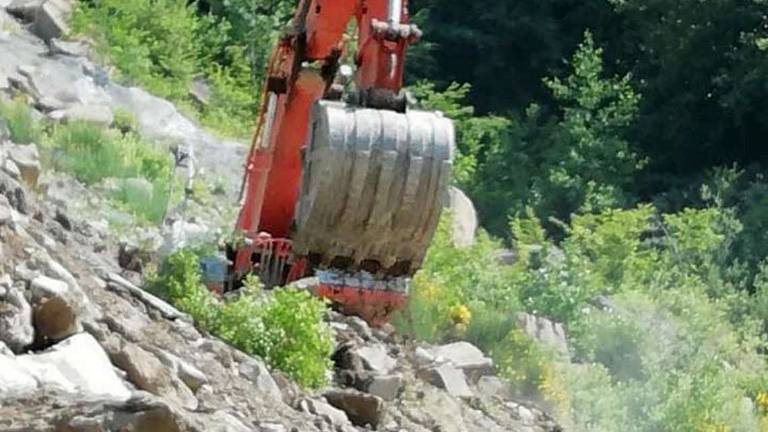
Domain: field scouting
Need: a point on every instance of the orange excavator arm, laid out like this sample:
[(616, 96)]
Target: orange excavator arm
[(345, 187)]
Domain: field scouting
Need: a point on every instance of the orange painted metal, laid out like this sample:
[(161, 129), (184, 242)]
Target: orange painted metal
[(274, 166), (376, 307)]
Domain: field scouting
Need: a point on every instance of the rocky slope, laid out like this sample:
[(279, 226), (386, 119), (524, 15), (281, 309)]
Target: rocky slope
[(83, 348)]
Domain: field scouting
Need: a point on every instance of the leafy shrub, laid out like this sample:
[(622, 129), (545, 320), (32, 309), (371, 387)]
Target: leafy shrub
[(179, 280), (151, 42), (286, 328), (165, 45), (125, 122), (523, 362), (678, 347), (452, 278), (21, 125)]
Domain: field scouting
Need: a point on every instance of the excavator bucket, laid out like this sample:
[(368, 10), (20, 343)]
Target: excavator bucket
[(374, 184)]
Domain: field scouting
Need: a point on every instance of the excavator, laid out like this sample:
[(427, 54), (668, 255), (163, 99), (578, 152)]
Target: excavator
[(344, 181)]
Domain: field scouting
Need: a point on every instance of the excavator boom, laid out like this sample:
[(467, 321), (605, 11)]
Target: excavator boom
[(345, 184)]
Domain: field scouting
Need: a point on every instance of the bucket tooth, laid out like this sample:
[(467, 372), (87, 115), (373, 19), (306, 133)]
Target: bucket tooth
[(374, 184)]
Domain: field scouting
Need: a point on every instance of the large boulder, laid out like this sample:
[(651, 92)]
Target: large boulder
[(77, 367), (466, 357), (362, 409), (148, 373), (464, 218), (52, 19), (328, 413), (56, 309), (375, 358), (15, 317), (386, 387), (448, 378), (24, 9)]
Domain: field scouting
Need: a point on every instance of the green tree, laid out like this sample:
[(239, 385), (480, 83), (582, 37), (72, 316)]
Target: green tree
[(590, 164)]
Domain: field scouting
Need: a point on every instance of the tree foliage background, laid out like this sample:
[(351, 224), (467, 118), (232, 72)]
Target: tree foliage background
[(701, 68)]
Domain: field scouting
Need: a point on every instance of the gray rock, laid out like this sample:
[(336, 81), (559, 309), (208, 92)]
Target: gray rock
[(193, 377), (449, 378), (271, 427), (466, 357), (148, 373), (491, 386), (99, 115), (222, 421), (386, 387), (25, 9), (16, 329), (44, 287), (289, 390), (74, 49), (360, 327), (362, 409), (464, 218), (27, 159), (5, 351), (331, 415), (52, 19), (6, 213), (422, 357), (544, 331), (375, 358), (131, 326), (119, 283), (258, 374), (10, 168), (77, 366)]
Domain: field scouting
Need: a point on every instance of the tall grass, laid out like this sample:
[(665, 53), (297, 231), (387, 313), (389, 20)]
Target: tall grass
[(92, 154), (21, 125)]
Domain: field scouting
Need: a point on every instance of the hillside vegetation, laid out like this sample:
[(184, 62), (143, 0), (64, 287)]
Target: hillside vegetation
[(615, 146)]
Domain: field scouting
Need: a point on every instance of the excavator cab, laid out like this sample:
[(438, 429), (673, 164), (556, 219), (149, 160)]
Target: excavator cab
[(346, 186)]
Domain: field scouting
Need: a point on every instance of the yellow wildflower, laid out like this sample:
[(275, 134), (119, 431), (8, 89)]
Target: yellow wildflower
[(461, 315)]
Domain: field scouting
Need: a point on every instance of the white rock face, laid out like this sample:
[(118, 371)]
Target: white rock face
[(43, 286), (77, 366), (15, 382), (464, 218), (463, 355)]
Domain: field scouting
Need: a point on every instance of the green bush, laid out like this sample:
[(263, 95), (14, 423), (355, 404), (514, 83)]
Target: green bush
[(180, 281), (678, 349), (286, 328), (21, 125), (93, 154), (164, 45), (451, 280), (151, 42)]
